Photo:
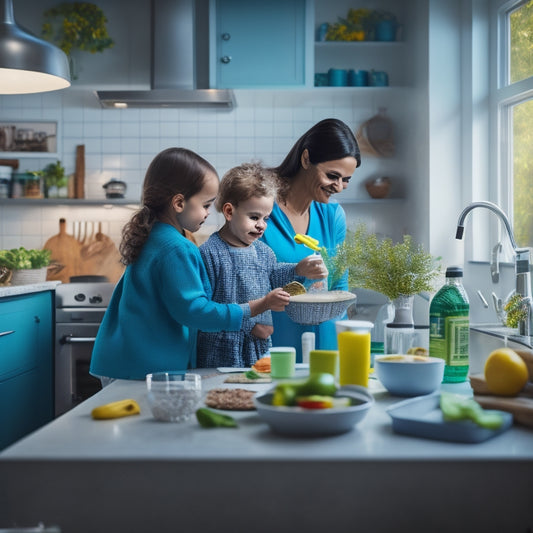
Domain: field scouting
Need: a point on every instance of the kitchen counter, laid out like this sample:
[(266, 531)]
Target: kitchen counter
[(130, 471), (16, 290)]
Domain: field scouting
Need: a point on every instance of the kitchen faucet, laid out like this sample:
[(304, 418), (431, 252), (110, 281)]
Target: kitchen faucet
[(523, 276)]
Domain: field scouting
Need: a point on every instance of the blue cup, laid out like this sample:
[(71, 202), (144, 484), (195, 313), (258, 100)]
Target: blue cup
[(358, 78), (386, 30), (337, 77), (379, 78)]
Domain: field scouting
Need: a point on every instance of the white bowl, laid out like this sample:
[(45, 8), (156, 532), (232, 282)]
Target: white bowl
[(317, 307), (409, 375), (297, 421)]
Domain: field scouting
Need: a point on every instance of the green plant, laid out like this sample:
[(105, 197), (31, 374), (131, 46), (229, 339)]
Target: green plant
[(516, 308), (77, 25), (22, 259), (380, 265)]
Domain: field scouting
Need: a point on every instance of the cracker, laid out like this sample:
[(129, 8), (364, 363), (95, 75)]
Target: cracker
[(294, 288), (241, 378), (230, 399)]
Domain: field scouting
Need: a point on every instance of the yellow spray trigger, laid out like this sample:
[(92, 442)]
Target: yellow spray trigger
[(307, 241)]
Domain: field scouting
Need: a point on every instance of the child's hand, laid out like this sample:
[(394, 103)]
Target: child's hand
[(277, 299), (312, 267), (262, 331)]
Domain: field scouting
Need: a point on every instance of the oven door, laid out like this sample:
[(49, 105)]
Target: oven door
[(73, 383)]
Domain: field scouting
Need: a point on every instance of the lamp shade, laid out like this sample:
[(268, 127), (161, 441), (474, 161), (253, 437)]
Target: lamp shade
[(28, 64)]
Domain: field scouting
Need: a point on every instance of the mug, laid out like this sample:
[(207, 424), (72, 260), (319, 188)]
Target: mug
[(282, 361), (379, 78), (337, 77), (358, 78)]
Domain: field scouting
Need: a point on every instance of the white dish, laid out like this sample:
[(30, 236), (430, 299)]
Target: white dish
[(299, 422), (231, 369), (422, 417)]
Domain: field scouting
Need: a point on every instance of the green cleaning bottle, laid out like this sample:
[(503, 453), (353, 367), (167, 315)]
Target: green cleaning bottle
[(449, 327)]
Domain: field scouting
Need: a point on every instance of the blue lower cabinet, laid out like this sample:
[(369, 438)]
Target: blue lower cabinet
[(26, 364)]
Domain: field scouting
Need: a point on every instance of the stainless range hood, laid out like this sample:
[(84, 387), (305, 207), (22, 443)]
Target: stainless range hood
[(179, 62)]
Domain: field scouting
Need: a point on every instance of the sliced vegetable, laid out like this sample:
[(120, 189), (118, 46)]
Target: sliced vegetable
[(210, 419), (116, 410), (455, 407), (315, 402), (252, 374), (285, 394), (321, 383)]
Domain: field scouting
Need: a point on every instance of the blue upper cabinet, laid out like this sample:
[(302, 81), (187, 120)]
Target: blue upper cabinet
[(259, 44)]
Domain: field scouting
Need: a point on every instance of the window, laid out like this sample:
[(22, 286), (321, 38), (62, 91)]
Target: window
[(514, 108)]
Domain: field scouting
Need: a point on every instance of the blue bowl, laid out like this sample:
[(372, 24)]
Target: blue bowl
[(409, 375)]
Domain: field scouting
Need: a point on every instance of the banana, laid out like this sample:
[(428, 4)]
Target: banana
[(116, 410), (307, 241)]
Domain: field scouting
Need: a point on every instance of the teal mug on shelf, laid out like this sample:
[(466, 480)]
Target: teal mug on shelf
[(358, 78), (337, 77), (378, 78)]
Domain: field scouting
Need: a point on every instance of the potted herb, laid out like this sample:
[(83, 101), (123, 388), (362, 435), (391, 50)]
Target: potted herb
[(27, 266), (76, 26), (398, 271), (55, 180)]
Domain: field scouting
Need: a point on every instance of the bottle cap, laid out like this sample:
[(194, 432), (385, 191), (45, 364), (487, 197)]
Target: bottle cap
[(454, 272)]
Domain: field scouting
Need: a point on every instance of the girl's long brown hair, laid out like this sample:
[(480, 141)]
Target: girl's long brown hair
[(172, 171)]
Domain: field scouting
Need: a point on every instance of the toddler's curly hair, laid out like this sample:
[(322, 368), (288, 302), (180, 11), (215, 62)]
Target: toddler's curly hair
[(249, 180)]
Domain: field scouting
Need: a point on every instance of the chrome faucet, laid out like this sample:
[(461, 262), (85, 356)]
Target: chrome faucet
[(523, 276)]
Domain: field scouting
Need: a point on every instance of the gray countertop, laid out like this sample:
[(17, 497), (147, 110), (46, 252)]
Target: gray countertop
[(135, 474), (75, 435), (16, 290)]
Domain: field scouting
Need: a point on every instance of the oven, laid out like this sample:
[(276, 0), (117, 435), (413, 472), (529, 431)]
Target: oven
[(80, 307)]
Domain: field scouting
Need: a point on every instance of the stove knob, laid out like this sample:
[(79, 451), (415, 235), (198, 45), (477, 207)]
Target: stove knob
[(80, 297), (95, 299)]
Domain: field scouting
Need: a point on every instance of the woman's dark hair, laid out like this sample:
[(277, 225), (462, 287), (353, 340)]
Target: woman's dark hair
[(327, 140), (172, 171)]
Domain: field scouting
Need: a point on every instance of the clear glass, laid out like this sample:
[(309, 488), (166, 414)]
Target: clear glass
[(316, 285), (173, 396)]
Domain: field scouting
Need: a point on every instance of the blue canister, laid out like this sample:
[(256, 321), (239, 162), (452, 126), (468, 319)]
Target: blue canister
[(386, 30), (378, 78), (358, 78), (337, 77), (321, 79), (321, 32)]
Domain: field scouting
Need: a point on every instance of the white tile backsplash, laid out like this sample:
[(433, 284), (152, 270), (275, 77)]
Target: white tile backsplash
[(121, 143)]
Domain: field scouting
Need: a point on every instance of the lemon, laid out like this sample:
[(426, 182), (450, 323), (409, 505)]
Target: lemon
[(505, 372)]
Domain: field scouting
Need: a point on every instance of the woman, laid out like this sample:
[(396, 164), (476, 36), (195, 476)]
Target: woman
[(319, 165)]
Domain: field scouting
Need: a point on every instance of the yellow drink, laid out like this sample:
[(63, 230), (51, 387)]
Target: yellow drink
[(323, 361), (354, 357)]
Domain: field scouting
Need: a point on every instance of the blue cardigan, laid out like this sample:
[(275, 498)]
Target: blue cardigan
[(156, 309), (327, 223)]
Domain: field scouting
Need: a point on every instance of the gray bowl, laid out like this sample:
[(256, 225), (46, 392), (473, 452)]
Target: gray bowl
[(299, 422)]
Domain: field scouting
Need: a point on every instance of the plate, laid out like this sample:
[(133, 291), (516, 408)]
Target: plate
[(422, 417), (231, 369), (299, 422)]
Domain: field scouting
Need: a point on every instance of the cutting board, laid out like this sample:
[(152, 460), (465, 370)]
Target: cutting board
[(65, 250), (520, 406), (79, 173), (99, 255)]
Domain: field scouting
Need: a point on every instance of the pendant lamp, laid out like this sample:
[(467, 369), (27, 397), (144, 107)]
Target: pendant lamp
[(28, 64)]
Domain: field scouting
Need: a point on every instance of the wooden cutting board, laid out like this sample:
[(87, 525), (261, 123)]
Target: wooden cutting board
[(520, 406), (65, 250), (99, 256), (79, 173)]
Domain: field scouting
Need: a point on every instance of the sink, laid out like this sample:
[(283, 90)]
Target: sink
[(484, 338)]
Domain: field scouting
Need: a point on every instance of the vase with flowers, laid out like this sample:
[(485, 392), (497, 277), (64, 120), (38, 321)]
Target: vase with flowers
[(74, 26)]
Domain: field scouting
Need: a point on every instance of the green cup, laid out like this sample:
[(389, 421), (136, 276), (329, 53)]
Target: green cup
[(324, 361), (282, 361)]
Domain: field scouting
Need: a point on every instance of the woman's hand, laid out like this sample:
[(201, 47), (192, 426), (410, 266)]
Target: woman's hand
[(262, 331), (311, 267), (275, 300)]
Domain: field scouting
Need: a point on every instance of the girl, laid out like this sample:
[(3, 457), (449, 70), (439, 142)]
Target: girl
[(240, 267), (163, 298)]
